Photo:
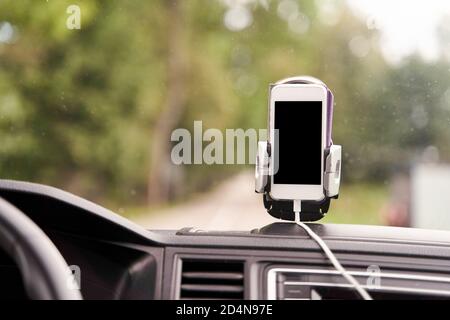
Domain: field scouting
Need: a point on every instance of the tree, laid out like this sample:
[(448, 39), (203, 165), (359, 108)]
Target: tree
[(161, 179)]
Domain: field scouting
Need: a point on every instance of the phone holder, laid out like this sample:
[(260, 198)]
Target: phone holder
[(311, 210)]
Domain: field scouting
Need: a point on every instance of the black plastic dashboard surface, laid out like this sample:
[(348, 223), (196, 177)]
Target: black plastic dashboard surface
[(56, 209), (143, 264)]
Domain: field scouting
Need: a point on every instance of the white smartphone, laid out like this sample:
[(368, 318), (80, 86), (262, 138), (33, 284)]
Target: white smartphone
[(297, 133)]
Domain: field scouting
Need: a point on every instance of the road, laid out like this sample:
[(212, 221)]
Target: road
[(233, 205)]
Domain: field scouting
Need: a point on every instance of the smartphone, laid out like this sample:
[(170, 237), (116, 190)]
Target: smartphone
[(297, 133)]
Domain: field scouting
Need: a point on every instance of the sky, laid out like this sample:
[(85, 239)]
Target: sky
[(406, 26)]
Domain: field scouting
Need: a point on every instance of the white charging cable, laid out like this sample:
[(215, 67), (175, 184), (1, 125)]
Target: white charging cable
[(337, 265)]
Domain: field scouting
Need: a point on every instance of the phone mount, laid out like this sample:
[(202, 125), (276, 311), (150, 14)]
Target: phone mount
[(311, 210)]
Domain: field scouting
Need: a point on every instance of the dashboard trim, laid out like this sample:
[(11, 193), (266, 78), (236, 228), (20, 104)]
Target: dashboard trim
[(272, 282)]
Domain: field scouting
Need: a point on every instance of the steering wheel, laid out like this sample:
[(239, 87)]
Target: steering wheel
[(44, 271)]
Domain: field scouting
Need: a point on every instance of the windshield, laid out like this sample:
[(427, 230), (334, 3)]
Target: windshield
[(136, 105)]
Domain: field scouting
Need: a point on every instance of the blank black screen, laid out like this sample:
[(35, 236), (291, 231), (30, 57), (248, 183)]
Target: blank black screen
[(299, 146)]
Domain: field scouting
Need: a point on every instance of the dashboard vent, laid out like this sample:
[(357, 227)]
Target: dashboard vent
[(316, 283), (207, 279)]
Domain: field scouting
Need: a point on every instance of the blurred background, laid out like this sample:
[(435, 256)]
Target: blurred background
[(91, 110)]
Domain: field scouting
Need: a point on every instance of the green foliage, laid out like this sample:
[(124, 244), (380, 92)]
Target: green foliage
[(359, 204), (77, 107)]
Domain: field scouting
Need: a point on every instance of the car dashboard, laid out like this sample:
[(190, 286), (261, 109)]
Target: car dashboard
[(118, 259)]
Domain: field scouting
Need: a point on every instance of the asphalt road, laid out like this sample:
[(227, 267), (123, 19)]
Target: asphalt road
[(233, 205)]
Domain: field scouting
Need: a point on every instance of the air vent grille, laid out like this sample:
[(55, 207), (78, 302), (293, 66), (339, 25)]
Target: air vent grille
[(206, 279), (316, 283)]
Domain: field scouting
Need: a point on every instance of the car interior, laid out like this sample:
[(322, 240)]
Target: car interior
[(121, 260), (249, 150)]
